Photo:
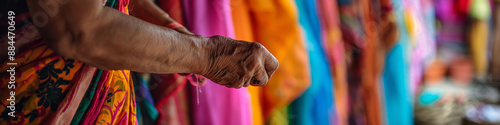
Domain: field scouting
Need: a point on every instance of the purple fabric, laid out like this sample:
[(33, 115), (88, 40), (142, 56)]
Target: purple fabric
[(218, 105), (424, 46), (452, 23)]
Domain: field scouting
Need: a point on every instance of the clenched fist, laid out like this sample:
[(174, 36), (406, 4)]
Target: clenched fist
[(237, 64)]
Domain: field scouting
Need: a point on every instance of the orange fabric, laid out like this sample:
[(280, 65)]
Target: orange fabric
[(243, 31), (372, 62), (274, 24), (42, 80)]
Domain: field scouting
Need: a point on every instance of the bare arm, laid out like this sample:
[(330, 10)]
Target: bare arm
[(108, 39)]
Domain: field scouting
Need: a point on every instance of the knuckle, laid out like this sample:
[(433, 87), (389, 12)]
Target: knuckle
[(258, 46)]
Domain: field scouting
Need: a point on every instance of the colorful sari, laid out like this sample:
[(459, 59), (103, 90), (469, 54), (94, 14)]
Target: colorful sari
[(49, 88)]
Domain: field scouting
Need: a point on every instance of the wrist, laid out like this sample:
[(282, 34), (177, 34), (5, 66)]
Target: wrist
[(202, 47)]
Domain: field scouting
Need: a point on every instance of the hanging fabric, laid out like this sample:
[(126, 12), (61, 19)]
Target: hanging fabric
[(275, 26), (315, 106), (333, 46), (495, 50), (217, 105), (243, 31), (396, 88)]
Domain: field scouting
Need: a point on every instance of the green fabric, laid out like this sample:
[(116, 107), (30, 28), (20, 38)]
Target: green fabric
[(146, 111), (82, 108)]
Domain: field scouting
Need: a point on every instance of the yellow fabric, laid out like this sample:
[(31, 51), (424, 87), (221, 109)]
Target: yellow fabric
[(119, 106), (279, 117), (479, 43), (42, 82)]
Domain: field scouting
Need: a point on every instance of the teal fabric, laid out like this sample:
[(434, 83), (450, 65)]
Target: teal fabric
[(146, 111), (429, 98), (398, 103), (315, 106)]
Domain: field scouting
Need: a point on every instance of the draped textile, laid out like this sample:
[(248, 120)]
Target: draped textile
[(333, 46), (214, 104), (49, 88), (397, 95), (352, 34), (419, 20), (42, 81), (495, 50), (371, 63), (274, 25), (146, 111), (450, 28), (243, 31), (168, 90), (315, 105), (478, 35), (114, 101)]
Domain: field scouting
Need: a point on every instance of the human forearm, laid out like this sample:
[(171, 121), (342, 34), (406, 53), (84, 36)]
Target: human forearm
[(146, 48), (109, 39)]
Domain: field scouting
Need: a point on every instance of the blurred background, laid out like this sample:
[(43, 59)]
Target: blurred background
[(356, 62)]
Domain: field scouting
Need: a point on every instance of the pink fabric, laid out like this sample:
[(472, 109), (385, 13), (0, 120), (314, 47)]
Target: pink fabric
[(333, 46), (97, 100), (218, 105)]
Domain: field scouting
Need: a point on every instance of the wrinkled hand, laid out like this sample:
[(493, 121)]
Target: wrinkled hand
[(237, 64)]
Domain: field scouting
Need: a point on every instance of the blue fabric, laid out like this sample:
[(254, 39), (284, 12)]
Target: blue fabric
[(146, 111), (395, 77), (315, 106), (429, 98)]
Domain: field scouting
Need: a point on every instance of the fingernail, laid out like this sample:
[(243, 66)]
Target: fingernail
[(255, 82)]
